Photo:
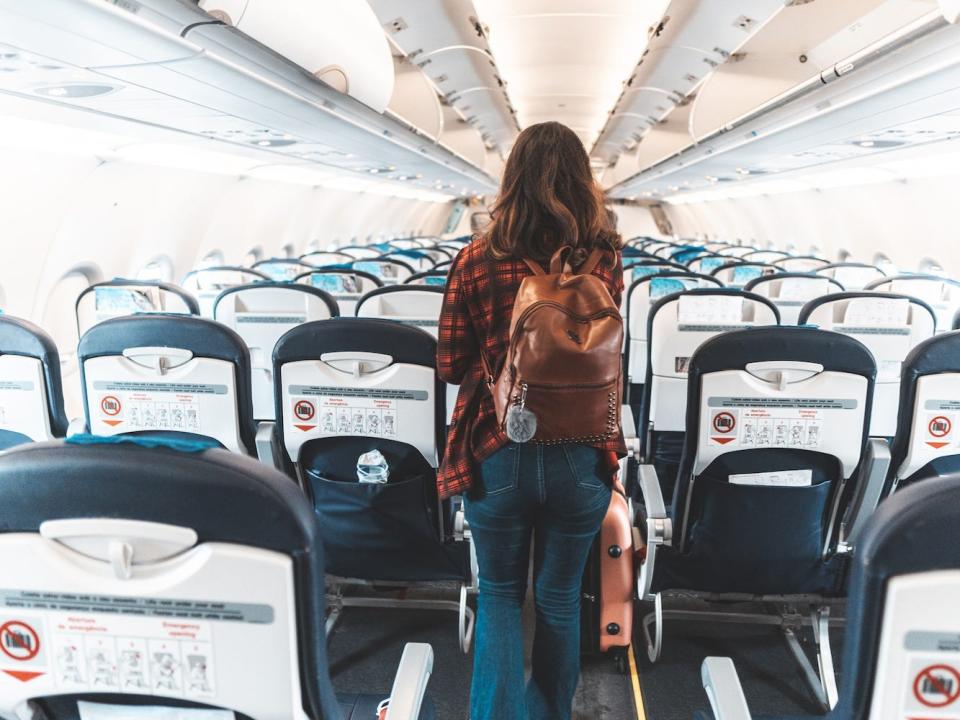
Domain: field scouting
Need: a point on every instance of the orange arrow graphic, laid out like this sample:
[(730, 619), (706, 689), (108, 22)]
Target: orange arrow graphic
[(113, 423), (723, 440), (305, 428), (23, 675)]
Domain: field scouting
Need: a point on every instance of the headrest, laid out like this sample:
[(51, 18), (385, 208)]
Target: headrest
[(202, 337), (735, 350), (811, 306), (406, 287), (21, 337), (56, 480), (340, 270), (763, 279), (676, 274), (281, 285), (186, 297), (405, 344), (226, 268), (939, 354), (732, 292), (919, 277)]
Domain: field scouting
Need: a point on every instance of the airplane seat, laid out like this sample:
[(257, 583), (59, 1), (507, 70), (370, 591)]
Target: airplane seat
[(927, 440), (800, 263), (899, 648), (776, 435), (791, 291), (163, 375), (417, 305), (737, 273), (282, 269), (360, 252), (940, 293), (389, 271), (677, 325), (322, 258), (852, 275), (891, 325), (118, 297), (435, 278), (419, 259), (205, 284), (640, 296), (345, 388), (345, 284), (31, 389), (260, 313), (132, 588), (706, 264)]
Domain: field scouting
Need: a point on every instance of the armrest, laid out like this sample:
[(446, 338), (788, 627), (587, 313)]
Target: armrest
[(630, 437), (722, 684), (77, 426), (659, 528), (266, 446), (652, 495), (410, 683), (868, 488)]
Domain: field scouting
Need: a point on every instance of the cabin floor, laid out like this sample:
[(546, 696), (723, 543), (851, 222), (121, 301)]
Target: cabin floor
[(366, 645)]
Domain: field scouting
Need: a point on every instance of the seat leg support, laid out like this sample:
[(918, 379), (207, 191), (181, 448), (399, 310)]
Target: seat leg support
[(465, 614)]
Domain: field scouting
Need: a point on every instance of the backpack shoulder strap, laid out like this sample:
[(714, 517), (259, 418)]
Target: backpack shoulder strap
[(534, 267), (590, 264)]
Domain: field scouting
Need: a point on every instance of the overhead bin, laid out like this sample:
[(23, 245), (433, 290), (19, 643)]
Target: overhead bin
[(214, 82), (896, 97), (445, 40), (462, 138), (803, 42), (337, 41), (415, 100), (693, 39)]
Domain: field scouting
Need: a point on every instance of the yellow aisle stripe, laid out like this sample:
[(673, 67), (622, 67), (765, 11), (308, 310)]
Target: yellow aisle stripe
[(635, 682)]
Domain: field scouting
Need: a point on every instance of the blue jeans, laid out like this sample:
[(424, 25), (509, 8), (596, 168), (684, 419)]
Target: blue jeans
[(558, 494)]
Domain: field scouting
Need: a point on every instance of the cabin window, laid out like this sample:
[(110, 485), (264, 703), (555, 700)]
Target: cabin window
[(160, 269), (884, 263), (211, 259), (930, 266), (254, 256), (60, 311)]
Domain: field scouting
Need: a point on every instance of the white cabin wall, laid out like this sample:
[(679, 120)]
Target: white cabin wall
[(61, 212), (635, 220), (907, 221)]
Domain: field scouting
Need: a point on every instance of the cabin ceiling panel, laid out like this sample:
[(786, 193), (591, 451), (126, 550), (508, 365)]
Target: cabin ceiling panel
[(798, 44), (907, 101), (694, 38), (565, 60), (441, 37)]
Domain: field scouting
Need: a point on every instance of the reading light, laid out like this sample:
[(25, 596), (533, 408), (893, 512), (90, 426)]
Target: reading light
[(74, 90)]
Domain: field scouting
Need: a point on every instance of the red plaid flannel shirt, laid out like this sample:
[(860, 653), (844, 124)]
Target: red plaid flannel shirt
[(477, 308)]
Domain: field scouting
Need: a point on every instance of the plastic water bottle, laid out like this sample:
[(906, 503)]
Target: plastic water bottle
[(372, 468)]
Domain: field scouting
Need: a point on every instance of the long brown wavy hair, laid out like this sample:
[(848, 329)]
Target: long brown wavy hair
[(548, 199)]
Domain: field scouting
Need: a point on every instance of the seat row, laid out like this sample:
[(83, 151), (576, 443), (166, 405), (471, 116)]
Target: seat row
[(751, 516)]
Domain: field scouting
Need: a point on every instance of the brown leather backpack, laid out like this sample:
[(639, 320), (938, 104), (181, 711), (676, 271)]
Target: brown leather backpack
[(560, 381)]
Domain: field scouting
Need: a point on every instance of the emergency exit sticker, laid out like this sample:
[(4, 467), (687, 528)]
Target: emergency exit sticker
[(939, 430), (932, 684)]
